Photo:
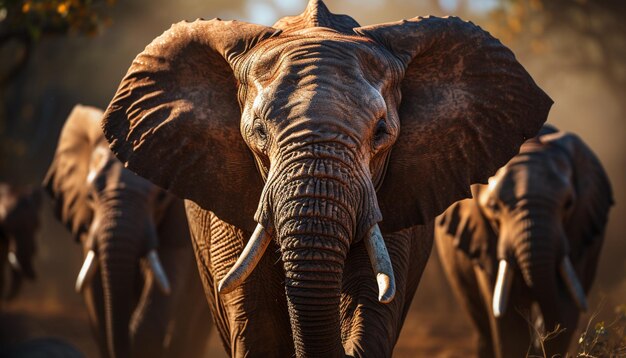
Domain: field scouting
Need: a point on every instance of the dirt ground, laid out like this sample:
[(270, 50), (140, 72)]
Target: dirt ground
[(435, 326), (426, 332)]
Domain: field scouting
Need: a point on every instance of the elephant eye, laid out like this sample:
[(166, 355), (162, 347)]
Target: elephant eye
[(381, 130), (260, 132)]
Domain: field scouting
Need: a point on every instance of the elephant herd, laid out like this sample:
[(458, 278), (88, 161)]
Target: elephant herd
[(139, 281), (312, 158)]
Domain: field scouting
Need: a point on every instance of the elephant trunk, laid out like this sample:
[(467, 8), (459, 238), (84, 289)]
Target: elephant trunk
[(537, 248), (119, 263), (119, 250), (534, 242), (313, 252), (320, 206)]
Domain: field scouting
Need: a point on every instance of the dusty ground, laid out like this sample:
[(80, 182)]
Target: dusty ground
[(435, 327), (426, 333)]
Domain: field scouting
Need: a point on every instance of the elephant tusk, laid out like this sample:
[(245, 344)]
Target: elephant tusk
[(86, 271), (573, 284), (14, 262), (159, 273), (503, 286), (247, 261), (381, 264)]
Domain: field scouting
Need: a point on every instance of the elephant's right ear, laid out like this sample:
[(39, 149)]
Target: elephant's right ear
[(175, 118), (65, 181)]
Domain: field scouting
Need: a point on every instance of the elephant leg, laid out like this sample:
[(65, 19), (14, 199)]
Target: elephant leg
[(459, 270), (252, 320), (370, 328), (511, 333)]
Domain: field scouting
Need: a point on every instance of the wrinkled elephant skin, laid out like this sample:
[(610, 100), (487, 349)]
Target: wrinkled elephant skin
[(336, 145), (532, 236)]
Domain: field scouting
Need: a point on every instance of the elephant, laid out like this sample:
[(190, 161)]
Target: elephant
[(19, 225), (291, 143), (524, 250), (139, 279)]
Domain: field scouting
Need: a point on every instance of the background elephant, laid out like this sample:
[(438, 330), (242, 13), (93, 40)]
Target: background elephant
[(134, 236), (19, 224), (301, 122), (531, 236)]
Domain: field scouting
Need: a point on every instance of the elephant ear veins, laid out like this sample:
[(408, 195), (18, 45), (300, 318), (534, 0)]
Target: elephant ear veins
[(467, 106), (175, 117)]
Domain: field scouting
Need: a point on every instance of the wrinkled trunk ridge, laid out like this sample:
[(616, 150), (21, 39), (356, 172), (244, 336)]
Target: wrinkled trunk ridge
[(315, 224)]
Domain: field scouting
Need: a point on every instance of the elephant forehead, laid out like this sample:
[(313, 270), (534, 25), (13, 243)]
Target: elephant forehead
[(532, 175), (312, 98), (321, 77), (320, 57)]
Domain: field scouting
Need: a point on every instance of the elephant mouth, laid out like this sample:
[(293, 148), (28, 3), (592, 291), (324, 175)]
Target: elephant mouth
[(261, 237)]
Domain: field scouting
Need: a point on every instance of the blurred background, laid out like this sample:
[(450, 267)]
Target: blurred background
[(54, 54)]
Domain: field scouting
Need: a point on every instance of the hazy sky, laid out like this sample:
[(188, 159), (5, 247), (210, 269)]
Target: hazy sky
[(267, 11)]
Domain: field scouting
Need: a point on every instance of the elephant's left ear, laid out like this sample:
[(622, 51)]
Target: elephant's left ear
[(467, 105), (594, 196)]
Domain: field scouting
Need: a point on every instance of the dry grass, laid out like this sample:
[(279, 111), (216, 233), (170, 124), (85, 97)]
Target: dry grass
[(601, 340), (598, 340)]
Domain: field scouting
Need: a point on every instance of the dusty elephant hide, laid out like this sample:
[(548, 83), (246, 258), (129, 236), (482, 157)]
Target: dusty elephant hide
[(298, 145), (531, 237)]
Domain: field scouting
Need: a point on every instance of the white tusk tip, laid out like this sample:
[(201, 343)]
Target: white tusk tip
[(229, 282), (386, 288), (224, 287), (13, 261), (497, 312)]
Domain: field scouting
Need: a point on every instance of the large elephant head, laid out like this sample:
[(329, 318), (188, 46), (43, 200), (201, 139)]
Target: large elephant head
[(320, 133), (19, 224), (113, 212), (549, 206)]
